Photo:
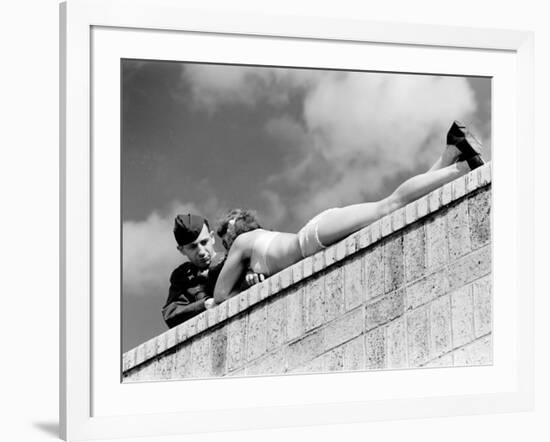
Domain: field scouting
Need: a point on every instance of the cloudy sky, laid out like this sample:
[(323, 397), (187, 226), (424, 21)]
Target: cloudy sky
[(286, 142)]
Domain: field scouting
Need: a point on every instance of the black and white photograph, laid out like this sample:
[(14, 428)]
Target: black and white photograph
[(263, 221), (284, 220)]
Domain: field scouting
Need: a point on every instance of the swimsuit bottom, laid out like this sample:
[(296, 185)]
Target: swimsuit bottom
[(308, 236)]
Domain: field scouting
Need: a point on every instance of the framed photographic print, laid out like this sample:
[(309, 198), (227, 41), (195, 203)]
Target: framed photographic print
[(378, 274)]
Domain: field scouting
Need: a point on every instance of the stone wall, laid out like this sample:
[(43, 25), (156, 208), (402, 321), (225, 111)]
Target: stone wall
[(411, 290)]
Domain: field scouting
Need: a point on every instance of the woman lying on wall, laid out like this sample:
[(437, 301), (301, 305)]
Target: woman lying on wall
[(268, 252)]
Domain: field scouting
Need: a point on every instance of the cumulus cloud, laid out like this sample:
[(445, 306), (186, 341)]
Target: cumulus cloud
[(215, 85), (356, 134), (374, 128)]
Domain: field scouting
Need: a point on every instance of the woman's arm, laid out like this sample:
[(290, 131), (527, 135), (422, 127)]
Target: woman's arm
[(232, 270)]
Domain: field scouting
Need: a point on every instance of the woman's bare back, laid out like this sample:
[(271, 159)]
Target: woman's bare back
[(283, 252)]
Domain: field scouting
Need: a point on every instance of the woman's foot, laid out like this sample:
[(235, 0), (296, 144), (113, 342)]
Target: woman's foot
[(466, 143)]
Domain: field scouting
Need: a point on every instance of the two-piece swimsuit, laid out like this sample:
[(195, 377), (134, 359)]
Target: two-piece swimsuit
[(308, 238)]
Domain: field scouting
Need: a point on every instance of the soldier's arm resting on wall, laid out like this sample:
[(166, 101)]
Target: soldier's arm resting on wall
[(180, 311)]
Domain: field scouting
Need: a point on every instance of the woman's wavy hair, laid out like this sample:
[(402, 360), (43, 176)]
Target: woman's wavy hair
[(245, 220)]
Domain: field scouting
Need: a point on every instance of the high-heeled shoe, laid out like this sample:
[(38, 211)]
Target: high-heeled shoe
[(465, 141)]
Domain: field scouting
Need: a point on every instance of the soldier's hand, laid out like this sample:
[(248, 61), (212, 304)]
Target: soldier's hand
[(253, 278), (201, 295)]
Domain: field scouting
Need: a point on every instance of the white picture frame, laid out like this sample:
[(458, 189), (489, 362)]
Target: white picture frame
[(79, 418)]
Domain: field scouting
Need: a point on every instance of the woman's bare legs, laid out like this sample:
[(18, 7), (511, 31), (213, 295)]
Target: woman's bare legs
[(342, 222)]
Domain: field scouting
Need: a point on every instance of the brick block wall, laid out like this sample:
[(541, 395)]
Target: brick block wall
[(411, 290)]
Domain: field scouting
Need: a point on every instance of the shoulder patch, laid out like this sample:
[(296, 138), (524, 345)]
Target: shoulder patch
[(184, 271)]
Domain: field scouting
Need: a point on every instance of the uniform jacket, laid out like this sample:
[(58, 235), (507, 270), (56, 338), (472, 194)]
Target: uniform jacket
[(189, 287)]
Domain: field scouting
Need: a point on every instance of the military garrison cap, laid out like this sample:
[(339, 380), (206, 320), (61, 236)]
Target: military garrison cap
[(188, 227)]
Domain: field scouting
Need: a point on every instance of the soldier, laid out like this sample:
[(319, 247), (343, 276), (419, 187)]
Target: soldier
[(192, 283), (189, 282)]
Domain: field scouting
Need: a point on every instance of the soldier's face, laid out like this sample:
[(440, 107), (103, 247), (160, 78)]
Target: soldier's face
[(200, 251)]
